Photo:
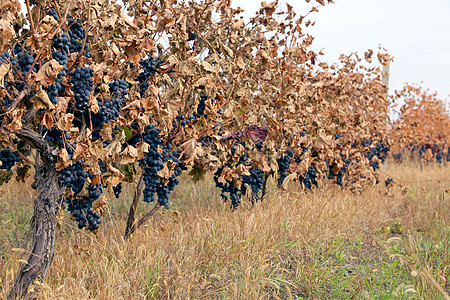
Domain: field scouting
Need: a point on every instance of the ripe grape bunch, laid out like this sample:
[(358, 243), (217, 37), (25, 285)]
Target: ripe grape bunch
[(81, 80), (8, 159), (109, 109), (234, 190), (283, 166), (153, 162), (149, 66), (74, 178)]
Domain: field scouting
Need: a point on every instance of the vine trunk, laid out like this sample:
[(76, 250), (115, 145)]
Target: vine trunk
[(32, 272)]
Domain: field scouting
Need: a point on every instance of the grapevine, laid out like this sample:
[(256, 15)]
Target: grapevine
[(93, 99)]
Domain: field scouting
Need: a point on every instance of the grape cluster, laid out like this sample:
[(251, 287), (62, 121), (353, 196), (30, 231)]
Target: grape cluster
[(118, 89), (173, 181), (201, 106), (5, 101), (77, 35), (22, 60), (61, 55), (4, 57), (182, 121), (153, 159), (388, 182), (74, 177), (341, 173), (153, 162), (308, 179), (81, 80), (149, 67), (152, 182), (229, 188), (135, 138), (233, 191), (117, 190), (283, 166), (52, 12), (81, 208), (108, 110), (8, 159), (380, 151), (53, 135), (61, 45), (255, 180), (56, 88)]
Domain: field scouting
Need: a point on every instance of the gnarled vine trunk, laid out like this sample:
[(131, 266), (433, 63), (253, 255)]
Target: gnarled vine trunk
[(46, 206)]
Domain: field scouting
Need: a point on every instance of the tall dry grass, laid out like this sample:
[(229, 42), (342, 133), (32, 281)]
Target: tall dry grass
[(287, 247)]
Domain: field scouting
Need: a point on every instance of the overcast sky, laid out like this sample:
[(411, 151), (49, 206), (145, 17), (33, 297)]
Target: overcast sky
[(415, 32)]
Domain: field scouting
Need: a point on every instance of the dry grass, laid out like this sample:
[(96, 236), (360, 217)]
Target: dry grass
[(325, 244)]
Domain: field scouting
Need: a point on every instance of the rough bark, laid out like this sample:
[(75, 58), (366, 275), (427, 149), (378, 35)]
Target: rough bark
[(46, 205), (143, 220), (133, 207), (131, 225)]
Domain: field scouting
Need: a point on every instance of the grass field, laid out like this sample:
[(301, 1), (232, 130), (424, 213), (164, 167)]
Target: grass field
[(328, 244)]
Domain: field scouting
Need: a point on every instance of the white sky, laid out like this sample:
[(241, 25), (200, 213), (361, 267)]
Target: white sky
[(415, 32)]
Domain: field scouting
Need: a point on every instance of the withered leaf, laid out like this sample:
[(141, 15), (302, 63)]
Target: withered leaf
[(4, 69), (65, 122), (48, 72), (191, 150), (208, 67), (63, 160), (41, 100), (129, 155)]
